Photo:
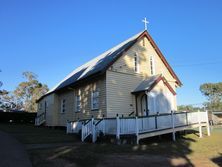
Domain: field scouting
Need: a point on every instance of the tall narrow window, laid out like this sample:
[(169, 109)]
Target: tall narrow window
[(152, 66), (40, 106), (46, 104), (95, 100), (136, 63), (63, 106), (77, 109)]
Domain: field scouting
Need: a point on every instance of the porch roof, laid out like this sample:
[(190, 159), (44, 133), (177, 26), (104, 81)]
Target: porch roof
[(150, 83), (147, 84)]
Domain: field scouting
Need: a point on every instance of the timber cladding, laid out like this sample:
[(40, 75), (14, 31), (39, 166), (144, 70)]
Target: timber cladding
[(59, 118)]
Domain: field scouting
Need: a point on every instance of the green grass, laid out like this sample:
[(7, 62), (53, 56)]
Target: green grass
[(188, 150)]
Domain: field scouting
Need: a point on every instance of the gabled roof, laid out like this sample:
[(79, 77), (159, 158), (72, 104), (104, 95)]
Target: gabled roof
[(150, 83), (101, 63)]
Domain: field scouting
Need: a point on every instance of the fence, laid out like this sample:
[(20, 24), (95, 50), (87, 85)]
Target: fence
[(137, 125)]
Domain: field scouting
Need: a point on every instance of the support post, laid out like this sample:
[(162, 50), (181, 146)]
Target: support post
[(208, 125), (92, 121), (92, 130), (94, 137), (200, 127), (67, 127), (187, 119), (117, 127), (156, 126), (83, 130), (104, 124), (137, 130), (173, 125)]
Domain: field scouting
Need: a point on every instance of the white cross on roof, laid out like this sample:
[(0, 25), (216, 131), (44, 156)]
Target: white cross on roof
[(145, 23)]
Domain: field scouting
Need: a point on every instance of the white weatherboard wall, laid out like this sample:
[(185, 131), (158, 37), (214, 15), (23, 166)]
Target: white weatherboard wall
[(119, 98), (160, 99)]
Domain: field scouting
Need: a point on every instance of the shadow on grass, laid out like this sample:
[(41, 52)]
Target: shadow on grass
[(218, 160), (154, 151), (30, 134)]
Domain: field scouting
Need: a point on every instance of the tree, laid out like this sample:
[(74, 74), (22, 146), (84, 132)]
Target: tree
[(188, 108), (213, 92), (29, 91)]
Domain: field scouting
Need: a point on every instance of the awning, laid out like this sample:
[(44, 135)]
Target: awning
[(150, 83)]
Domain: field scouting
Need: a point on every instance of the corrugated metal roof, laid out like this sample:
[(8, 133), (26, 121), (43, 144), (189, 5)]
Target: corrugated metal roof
[(146, 84), (95, 65)]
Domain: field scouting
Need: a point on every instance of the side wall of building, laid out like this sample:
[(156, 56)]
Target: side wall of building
[(56, 117), (49, 105)]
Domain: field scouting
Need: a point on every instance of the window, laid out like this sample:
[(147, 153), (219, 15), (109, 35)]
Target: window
[(95, 100), (77, 109), (63, 106), (46, 104), (136, 63), (152, 68), (40, 106)]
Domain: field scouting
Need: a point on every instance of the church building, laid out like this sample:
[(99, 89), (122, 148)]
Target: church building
[(130, 79)]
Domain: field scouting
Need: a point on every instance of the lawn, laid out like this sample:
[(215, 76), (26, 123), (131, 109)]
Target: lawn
[(188, 150)]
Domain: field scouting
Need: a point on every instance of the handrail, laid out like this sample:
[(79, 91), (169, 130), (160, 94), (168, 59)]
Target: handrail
[(149, 116), (131, 113), (137, 125), (98, 122), (85, 123)]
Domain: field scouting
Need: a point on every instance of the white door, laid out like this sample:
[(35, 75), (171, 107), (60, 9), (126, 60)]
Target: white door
[(144, 106)]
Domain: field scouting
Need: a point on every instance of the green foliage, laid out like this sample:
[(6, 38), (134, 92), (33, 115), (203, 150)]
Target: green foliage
[(188, 108), (213, 92), (29, 91), (4, 98)]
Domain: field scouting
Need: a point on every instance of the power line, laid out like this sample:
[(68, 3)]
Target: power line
[(197, 64)]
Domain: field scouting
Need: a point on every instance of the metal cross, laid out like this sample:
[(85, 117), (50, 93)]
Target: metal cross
[(145, 23)]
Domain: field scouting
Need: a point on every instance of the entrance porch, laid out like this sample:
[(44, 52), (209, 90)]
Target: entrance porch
[(154, 96)]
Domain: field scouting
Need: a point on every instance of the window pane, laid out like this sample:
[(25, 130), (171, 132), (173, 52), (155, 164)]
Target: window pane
[(95, 100)]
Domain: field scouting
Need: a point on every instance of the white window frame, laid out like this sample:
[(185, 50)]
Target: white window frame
[(40, 106), (136, 63), (95, 100), (77, 103), (63, 106), (152, 65)]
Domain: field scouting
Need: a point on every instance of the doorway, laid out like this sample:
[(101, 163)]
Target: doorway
[(144, 106)]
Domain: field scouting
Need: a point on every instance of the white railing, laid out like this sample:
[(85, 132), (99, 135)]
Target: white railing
[(40, 119), (136, 125), (87, 129)]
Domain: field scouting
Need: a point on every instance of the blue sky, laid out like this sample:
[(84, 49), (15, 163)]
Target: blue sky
[(53, 37)]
